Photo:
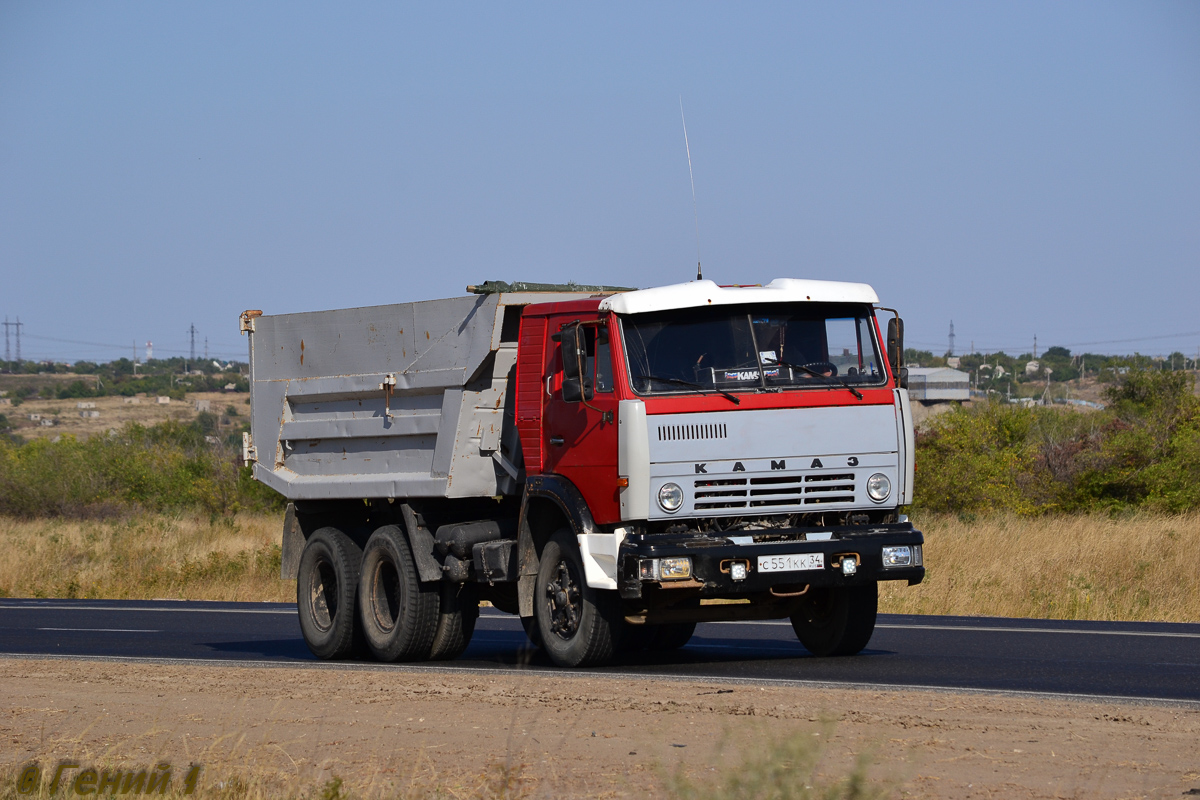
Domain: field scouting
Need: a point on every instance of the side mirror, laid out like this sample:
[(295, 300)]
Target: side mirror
[(895, 348), (574, 356)]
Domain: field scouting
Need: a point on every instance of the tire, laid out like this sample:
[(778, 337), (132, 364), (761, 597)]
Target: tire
[(837, 621), (326, 593), (659, 638), (656, 638), (672, 636), (530, 624), (399, 613), (579, 626), (456, 621)]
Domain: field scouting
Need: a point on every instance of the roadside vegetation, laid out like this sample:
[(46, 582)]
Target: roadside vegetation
[(1135, 567), (789, 767), (1142, 452), (1027, 512), (145, 557), (170, 467)]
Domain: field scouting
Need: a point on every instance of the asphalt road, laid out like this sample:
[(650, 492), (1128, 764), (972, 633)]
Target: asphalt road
[(1140, 661)]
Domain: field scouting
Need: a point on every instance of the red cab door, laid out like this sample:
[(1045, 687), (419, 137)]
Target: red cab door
[(580, 438)]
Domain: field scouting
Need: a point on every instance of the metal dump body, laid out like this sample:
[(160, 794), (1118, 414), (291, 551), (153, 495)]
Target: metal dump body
[(405, 400)]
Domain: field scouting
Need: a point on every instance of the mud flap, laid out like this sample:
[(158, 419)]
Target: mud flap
[(421, 541)]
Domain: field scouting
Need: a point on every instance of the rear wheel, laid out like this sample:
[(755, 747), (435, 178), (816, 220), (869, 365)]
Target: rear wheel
[(836, 621), (456, 621), (326, 589), (399, 613), (579, 626)]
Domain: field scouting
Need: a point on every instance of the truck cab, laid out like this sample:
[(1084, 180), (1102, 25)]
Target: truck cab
[(726, 443)]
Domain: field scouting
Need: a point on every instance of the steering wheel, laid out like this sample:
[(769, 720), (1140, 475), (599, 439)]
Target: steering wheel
[(821, 367)]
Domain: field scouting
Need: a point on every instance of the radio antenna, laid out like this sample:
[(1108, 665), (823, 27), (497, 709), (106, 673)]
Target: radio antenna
[(695, 210)]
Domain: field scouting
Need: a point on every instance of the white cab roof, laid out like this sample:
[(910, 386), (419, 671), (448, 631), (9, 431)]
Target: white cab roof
[(695, 294)]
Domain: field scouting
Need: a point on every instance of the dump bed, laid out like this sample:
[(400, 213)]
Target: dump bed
[(405, 400)]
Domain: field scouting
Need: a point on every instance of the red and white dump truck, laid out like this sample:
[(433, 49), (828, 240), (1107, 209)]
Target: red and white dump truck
[(603, 463)]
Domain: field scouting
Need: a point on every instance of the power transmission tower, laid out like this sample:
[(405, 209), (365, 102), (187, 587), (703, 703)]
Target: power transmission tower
[(7, 351), (951, 353), (18, 327), (192, 333), (206, 348)]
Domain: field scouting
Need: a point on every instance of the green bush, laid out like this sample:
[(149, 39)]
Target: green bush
[(164, 467), (1143, 451)]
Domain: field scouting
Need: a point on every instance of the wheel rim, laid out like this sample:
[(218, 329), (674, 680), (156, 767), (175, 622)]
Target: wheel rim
[(322, 595), (818, 609), (385, 595), (564, 601)]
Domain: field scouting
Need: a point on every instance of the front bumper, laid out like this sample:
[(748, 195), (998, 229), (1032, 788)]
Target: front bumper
[(712, 554)]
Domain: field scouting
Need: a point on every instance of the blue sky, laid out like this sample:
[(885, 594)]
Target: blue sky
[(1020, 168)]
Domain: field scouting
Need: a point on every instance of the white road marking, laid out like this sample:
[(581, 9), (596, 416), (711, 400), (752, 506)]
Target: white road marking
[(104, 630), (979, 628), (495, 615), (1082, 631), (285, 611), (990, 629)]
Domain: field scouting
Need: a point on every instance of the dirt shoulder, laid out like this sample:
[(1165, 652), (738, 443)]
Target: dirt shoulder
[(417, 733)]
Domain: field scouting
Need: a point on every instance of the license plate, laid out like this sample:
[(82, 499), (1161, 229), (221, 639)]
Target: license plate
[(791, 563)]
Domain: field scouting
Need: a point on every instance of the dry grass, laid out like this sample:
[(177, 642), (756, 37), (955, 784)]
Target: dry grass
[(1082, 567), (144, 557), (782, 766), (1141, 567)]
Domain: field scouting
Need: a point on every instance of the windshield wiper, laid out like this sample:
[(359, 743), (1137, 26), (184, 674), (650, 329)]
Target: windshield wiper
[(732, 398), (816, 374)]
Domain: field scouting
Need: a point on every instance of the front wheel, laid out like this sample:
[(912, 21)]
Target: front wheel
[(836, 621), (578, 626)]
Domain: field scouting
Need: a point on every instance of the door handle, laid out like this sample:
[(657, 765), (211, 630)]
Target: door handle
[(556, 440)]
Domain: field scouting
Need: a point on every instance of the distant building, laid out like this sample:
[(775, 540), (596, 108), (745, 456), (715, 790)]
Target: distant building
[(203, 405), (85, 405), (35, 417), (89, 414), (131, 401), (163, 400), (1033, 368), (953, 361), (231, 387), (931, 384)]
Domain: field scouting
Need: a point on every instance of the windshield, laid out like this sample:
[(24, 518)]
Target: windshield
[(731, 348)]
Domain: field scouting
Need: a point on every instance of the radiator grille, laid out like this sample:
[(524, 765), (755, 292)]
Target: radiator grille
[(774, 491), (681, 433)]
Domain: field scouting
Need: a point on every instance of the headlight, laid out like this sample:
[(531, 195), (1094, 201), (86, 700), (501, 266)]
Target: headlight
[(898, 556), (878, 487), (670, 497), (666, 569)]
